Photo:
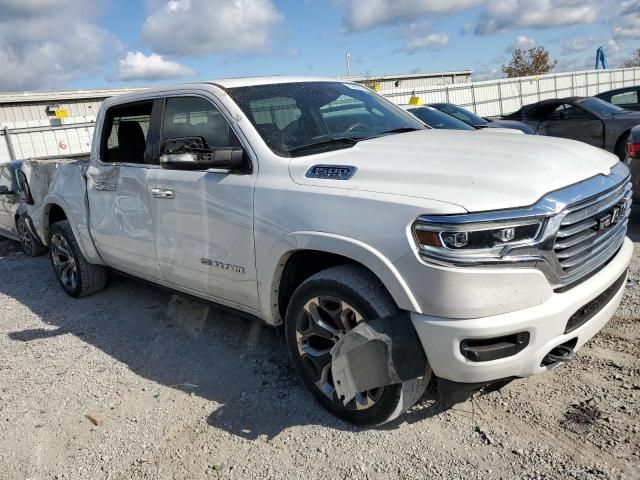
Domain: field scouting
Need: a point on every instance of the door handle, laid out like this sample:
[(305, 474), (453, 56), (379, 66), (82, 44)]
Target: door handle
[(162, 193), (105, 187)]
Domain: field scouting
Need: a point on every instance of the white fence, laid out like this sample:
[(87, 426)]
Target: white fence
[(488, 98), (499, 97)]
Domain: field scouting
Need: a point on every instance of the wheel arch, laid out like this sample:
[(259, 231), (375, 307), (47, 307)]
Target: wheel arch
[(301, 255), (56, 209), (621, 138)]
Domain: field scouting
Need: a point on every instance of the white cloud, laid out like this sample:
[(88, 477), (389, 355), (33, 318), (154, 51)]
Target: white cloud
[(366, 14), (579, 44), (200, 27), (501, 15), (138, 66), (45, 44), (522, 42), (432, 41), (626, 24)]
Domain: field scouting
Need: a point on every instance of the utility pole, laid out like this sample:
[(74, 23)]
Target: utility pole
[(348, 59)]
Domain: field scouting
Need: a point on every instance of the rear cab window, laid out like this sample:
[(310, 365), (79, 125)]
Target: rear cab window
[(125, 132)]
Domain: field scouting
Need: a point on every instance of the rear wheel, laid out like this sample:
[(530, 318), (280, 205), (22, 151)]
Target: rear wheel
[(322, 310), (76, 276), (29, 244)]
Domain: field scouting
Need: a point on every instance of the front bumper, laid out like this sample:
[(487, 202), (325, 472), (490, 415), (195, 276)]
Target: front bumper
[(545, 324)]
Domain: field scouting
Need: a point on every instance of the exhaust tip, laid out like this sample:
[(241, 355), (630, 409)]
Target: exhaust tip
[(561, 354)]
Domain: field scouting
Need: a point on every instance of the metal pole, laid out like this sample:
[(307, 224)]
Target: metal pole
[(473, 99), (521, 96), (7, 135), (572, 87)]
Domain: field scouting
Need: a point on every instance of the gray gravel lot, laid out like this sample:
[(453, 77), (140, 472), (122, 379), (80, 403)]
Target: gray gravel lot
[(136, 382)]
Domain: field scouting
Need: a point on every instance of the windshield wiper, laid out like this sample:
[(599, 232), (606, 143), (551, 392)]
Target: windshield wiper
[(341, 142), (395, 130)]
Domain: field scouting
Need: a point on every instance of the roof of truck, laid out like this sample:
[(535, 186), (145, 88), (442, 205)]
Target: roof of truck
[(268, 80), (222, 83)]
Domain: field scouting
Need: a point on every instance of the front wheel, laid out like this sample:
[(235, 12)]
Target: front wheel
[(77, 277), (322, 309)]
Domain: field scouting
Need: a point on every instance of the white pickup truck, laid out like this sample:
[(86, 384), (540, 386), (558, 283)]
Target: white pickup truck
[(391, 253)]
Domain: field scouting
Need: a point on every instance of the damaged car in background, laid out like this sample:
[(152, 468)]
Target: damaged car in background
[(19, 199), (392, 253), (587, 119)]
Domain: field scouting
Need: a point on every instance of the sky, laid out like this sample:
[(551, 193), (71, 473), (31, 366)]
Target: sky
[(79, 44)]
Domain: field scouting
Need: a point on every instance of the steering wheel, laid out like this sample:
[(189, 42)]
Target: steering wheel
[(356, 127)]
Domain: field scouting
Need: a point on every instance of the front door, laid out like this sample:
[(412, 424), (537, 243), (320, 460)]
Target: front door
[(203, 220), (575, 123), (120, 218)]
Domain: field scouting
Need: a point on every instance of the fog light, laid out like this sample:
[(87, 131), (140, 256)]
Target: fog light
[(455, 239), (505, 235)]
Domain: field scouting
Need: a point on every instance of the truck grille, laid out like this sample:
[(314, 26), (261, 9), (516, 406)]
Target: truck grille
[(592, 230)]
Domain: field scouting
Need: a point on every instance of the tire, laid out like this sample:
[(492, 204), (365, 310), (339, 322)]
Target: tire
[(368, 298), (30, 245), (77, 277)]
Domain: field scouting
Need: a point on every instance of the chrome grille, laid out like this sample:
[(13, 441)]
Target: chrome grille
[(591, 231)]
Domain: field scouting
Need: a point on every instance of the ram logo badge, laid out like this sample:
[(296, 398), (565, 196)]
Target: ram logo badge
[(331, 172), (221, 265)]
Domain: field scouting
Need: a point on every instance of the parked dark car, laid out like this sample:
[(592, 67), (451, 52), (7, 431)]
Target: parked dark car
[(14, 222), (627, 97), (633, 161), (587, 119), (476, 121)]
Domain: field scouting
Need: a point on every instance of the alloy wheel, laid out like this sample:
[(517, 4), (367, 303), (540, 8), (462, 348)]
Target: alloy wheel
[(321, 323), (25, 237), (63, 261)]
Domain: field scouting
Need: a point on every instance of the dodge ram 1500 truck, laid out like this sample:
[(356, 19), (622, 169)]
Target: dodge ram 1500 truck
[(391, 253)]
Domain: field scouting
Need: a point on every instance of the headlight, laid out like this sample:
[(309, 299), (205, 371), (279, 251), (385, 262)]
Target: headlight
[(459, 242)]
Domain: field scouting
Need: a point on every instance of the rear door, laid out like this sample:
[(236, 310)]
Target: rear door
[(573, 122), (120, 218), (203, 220)]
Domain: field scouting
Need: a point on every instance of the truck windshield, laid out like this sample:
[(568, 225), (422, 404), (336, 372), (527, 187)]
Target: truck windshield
[(296, 119)]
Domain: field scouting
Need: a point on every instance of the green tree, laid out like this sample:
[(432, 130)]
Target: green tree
[(524, 63), (633, 61)]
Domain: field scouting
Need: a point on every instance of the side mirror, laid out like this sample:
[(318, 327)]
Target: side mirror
[(4, 190), (192, 153)]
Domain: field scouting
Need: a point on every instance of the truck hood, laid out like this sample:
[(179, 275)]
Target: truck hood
[(478, 171)]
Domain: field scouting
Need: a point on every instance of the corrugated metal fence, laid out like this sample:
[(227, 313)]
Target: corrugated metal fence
[(499, 97), (33, 138)]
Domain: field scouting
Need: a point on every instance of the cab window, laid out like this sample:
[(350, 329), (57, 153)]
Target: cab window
[(125, 133), (197, 117)]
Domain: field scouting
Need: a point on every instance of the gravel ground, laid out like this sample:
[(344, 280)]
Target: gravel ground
[(136, 382)]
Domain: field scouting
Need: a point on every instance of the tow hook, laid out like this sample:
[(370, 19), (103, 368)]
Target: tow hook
[(560, 354)]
